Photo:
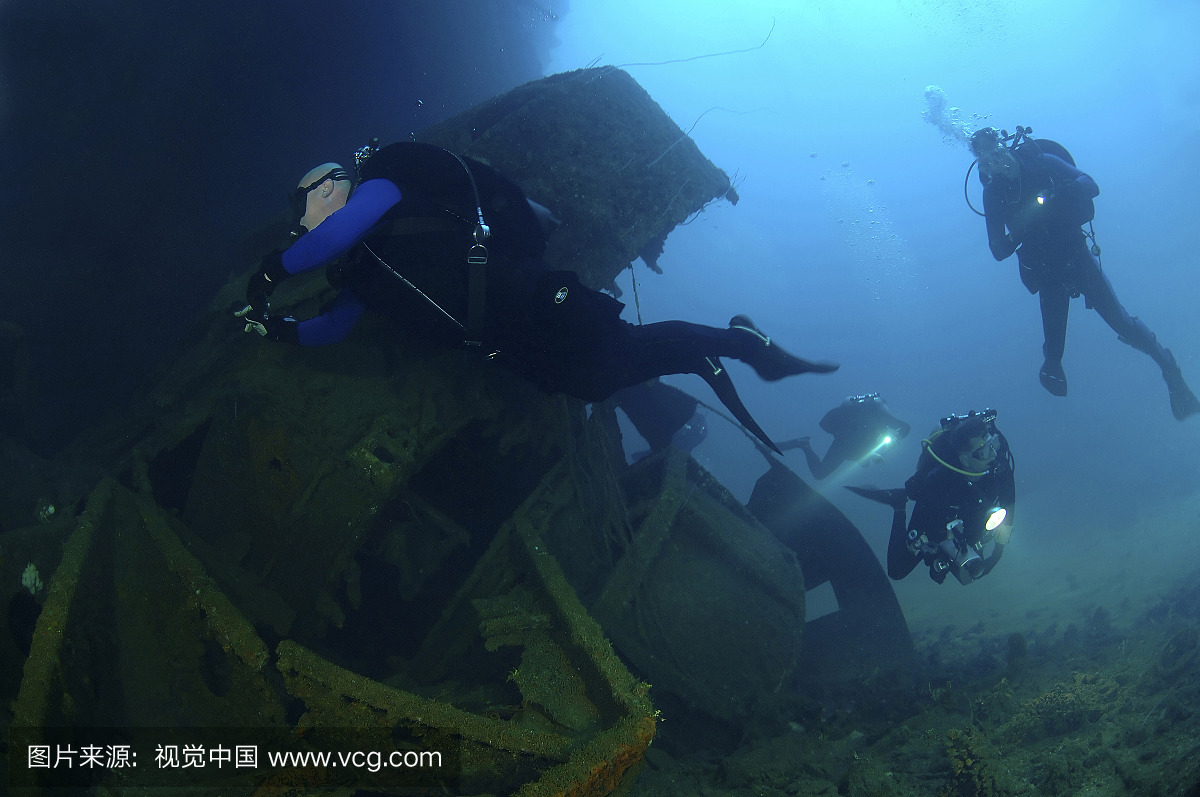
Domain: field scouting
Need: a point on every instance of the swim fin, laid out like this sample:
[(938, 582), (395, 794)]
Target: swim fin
[(718, 379), (770, 361), (1183, 400), (896, 499), (1053, 377)]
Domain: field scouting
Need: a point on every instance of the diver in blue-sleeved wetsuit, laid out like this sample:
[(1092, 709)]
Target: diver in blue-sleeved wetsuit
[(452, 250), (1035, 202)]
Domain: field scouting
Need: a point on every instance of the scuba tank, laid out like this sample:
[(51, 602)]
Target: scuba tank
[(1023, 141), (1018, 142)]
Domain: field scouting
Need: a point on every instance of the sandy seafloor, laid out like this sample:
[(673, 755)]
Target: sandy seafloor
[(1078, 674)]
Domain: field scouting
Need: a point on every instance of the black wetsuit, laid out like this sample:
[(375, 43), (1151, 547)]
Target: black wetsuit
[(543, 324), (1044, 210), (943, 495)]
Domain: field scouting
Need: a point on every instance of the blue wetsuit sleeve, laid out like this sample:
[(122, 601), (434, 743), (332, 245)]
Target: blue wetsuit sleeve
[(333, 325), (343, 228)]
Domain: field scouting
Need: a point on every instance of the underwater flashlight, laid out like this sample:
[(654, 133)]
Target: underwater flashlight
[(1041, 199), (883, 443), (995, 518)]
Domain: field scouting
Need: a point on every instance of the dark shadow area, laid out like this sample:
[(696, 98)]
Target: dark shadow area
[(149, 139)]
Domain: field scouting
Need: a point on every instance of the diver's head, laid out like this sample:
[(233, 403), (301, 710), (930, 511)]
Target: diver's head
[(976, 445), (985, 140), (995, 159), (969, 442), (320, 193)]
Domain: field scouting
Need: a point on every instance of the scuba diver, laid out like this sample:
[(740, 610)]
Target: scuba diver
[(1036, 202), (452, 250), (965, 496), (861, 427)]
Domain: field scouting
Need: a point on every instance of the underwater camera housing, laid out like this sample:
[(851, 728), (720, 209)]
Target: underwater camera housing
[(957, 555), (953, 554)]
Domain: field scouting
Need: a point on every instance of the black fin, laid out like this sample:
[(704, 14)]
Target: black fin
[(1053, 378), (1183, 401), (896, 498), (718, 379)]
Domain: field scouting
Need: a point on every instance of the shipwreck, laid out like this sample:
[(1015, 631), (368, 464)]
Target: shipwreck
[(380, 537)]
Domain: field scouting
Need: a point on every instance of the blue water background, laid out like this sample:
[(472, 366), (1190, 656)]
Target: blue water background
[(853, 241)]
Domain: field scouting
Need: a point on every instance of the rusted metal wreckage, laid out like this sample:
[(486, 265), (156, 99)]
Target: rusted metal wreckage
[(377, 535)]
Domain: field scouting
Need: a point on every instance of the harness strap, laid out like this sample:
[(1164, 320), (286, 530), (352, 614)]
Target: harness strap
[(476, 301), (477, 259)]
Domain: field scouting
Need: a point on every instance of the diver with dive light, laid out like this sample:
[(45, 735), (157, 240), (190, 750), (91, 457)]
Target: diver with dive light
[(862, 427), (1036, 202), (965, 496)]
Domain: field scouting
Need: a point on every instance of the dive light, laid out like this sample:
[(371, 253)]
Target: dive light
[(995, 518)]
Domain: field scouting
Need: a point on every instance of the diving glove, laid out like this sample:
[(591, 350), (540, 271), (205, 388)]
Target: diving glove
[(270, 273), (282, 330)]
